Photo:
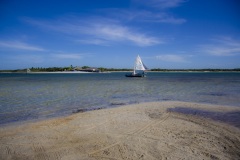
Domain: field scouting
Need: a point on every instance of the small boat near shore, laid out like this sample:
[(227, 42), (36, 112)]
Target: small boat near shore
[(139, 69)]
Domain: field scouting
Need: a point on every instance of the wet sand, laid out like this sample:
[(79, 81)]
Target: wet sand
[(141, 131)]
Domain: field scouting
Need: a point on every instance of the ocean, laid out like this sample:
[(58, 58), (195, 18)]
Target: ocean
[(33, 97)]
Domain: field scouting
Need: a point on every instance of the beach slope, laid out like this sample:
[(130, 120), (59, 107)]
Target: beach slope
[(148, 131)]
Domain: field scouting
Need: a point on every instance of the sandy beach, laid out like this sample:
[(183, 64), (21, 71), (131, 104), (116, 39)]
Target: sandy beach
[(140, 131)]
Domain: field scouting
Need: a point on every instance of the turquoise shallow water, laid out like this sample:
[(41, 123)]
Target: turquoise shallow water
[(38, 96)]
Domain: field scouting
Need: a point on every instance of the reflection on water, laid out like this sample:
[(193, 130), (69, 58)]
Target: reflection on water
[(37, 96), (232, 118)]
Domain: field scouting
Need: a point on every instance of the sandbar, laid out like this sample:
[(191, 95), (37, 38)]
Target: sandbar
[(151, 131)]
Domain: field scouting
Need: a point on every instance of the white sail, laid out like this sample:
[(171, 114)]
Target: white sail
[(139, 66)]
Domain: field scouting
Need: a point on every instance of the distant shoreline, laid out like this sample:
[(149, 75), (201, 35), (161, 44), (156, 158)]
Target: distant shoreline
[(82, 72), (58, 72), (107, 70), (65, 72)]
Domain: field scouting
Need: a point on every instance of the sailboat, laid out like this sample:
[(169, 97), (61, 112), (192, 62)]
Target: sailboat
[(138, 70)]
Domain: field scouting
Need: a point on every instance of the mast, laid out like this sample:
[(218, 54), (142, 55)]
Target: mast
[(135, 65)]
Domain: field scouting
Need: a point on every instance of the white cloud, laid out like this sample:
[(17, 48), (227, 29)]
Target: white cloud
[(161, 18), (19, 45), (93, 41), (105, 31), (171, 58), (222, 51), (161, 4), (67, 56), (222, 46), (155, 11), (116, 32), (143, 15)]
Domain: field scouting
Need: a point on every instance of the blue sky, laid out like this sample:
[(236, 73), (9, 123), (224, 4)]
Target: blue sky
[(168, 34)]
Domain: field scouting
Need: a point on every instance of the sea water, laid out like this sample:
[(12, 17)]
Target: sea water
[(26, 97)]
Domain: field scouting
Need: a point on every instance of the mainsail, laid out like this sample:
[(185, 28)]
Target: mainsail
[(139, 67)]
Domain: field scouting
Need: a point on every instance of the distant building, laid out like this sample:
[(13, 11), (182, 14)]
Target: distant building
[(90, 69)]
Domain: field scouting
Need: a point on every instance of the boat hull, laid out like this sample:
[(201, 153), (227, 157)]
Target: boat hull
[(135, 75)]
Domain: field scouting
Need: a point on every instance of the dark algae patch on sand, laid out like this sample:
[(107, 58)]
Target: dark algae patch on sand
[(232, 118)]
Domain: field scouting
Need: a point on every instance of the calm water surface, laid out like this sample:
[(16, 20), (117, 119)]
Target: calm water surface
[(38, 96)]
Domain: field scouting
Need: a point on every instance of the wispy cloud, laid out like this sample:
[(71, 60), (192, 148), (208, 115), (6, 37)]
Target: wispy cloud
[(116, 32), (160, 4), (222, 46), (19, 45), (144, 15), (105, 31), (171, 58), (67, 56), (93, 41), (164, 18), (156, 11), (161, 17)]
